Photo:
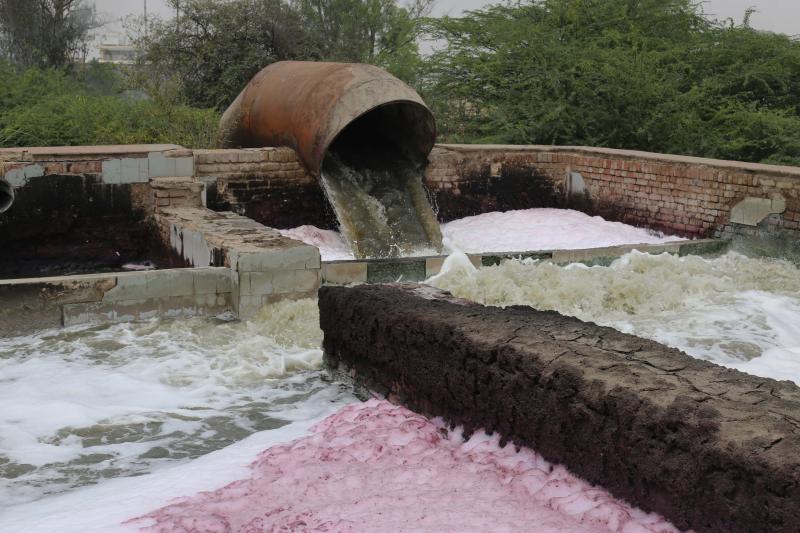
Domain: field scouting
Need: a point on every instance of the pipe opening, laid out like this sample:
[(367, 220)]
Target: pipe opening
[(6, 195), (365, 134), (389, 133)]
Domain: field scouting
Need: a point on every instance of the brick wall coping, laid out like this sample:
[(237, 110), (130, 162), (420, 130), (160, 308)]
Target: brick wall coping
[(42, 152), (100, 151), (758, 168)]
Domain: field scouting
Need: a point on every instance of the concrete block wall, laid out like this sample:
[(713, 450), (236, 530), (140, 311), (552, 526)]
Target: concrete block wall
[(37, 303), (266, 266)]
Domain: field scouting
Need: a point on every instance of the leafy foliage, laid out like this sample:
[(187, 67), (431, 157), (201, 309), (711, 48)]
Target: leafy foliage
[(215, 48), (45, 33), (640, 74), (51, 108)]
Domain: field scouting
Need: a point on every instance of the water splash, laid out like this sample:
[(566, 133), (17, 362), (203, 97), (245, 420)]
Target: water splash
[(733, 310), (84, 404), (382, 207)]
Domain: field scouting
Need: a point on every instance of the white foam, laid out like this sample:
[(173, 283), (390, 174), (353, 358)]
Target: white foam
[(542, 229), (82, 404), (332, 246), (104, 507), (733, 310)]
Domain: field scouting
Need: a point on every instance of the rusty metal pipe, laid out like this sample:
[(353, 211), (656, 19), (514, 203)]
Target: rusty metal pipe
[(306, 105), (6, 195)]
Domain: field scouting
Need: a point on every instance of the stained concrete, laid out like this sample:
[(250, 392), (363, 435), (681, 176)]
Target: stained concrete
[(711, 449), (752, 211), (41, 303), (267, 266)]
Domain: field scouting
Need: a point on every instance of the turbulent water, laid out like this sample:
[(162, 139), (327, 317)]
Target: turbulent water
[(84, 404), (383, 210), (733, 310)]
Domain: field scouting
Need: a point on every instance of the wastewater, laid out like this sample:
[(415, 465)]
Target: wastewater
[(379, 197), (732, 310), (85, 405)]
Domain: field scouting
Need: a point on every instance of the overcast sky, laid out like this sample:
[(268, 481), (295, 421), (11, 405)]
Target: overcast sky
[(774, 15)]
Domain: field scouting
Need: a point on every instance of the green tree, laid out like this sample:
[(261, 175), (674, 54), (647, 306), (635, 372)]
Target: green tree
[(52, 107), (367, 31), (640, 74), (215, 48), (45, 33)]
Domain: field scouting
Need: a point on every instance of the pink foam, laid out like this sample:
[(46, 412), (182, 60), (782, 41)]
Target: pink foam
[(378, 467), (331, 244)]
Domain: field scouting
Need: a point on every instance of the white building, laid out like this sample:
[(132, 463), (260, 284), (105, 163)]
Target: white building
[(116, 48)]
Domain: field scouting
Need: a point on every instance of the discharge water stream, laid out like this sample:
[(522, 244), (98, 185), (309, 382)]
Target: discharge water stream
[(379, 198), (97, 405)]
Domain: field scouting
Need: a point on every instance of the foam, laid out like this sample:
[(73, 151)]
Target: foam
[(511, 231), (82, 404), (542, 229), (732, 310), (332, 245), (378, 467), (105, 507)]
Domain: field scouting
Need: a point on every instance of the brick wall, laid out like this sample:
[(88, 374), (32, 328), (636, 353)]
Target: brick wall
[(82, 209), (268, 185), (683, 195), (466, 182)]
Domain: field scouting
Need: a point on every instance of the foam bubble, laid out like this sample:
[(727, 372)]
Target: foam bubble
[(379, 467), (83, 404), (733, 310)]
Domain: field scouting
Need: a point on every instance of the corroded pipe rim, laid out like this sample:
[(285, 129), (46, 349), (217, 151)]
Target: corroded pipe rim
[(6, 195)]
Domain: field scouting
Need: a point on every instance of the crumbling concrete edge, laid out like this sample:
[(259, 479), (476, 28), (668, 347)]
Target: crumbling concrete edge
[(267, 267), (38, 303)]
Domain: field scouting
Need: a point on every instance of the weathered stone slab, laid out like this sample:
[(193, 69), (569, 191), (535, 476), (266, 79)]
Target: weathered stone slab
[(710, 448), (267, 266), (344, 272), (38, 303)]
